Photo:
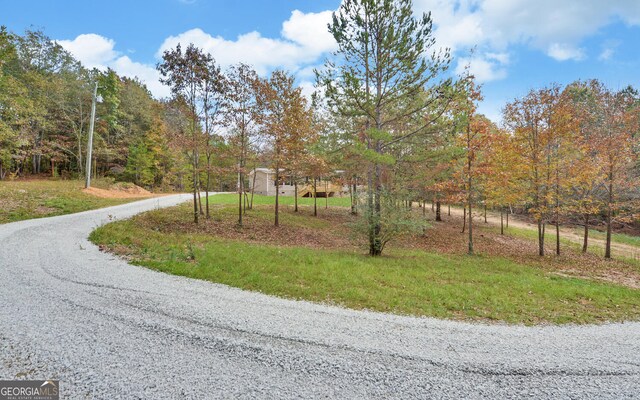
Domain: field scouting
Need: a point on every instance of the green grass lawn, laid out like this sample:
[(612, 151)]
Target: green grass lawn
[(615, 237), (549, 237), (230, 198), (20, 200), (550, 240), (404, 281)]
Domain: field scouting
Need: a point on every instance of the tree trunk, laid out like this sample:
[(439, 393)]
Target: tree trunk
[(470, 229), (557, 206), (326, 195), (253, 186), (277, 194), (557, 238), (195, 194), (540, 237), (315, 198), (200, 198), (80, 154), (449, 209), (470, 200), (438, 217), (240, 198), (607, 250), (585, 241), (370, 212), (355, 197), (376, 249), (206, 199), (351, 199), (501, 220), (485, 213), (295, 195), (464, 218)]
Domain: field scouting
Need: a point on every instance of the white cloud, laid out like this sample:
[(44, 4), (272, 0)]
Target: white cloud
[(606, 54), (483, 69), (554, 27), (502, 58), (608, 50), (308, 73), (307, 89), (251, 48), (310, 31), (455, 24), (304, 40), (564, 52), (146, 73), (95, 51)]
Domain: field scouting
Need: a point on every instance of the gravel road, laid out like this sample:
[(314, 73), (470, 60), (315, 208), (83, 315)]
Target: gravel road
[(109, 330)]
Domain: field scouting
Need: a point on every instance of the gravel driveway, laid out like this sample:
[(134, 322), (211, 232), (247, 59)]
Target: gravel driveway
[(109, 330)]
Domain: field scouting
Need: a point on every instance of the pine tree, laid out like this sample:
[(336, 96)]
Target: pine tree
[(381, 69)]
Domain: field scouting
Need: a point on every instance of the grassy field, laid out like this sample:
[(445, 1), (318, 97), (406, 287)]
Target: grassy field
[(20, 200), (283, 200), (615, 237), (550, 240), (404, 281)]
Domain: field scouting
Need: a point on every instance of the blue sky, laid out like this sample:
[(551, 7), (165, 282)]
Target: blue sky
[(519, 44)]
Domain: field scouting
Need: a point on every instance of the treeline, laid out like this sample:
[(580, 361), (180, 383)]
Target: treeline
[(565, 155), (216, 126), (408, 133), (387, 113), (238, 116), (45, 106)]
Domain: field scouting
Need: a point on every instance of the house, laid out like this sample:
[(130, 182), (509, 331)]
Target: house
[(264, 181)]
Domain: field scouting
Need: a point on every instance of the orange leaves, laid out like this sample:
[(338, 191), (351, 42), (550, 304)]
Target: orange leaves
[(285, 116)]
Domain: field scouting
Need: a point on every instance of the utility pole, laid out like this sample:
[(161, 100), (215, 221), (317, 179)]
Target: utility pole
[(90, 143)]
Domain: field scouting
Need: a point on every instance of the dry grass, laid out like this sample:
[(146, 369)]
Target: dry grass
[(37, 198)]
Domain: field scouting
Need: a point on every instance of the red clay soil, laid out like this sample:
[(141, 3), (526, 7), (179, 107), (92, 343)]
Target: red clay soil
[(119, 192)]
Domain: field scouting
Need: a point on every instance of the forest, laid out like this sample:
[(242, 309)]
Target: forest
[(401, 128)]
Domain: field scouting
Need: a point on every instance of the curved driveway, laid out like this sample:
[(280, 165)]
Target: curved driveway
[(110, 330)]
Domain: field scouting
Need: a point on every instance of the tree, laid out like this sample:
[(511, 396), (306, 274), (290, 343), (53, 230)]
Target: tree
[(473, 141), (617, 121), (187, 73), (140, 165), (43, 68), (315, 167), (45, 99), (285, 119), (214, 86), (504, 173), (13, 102), (382, 75), (240, 110), (528, 120)]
